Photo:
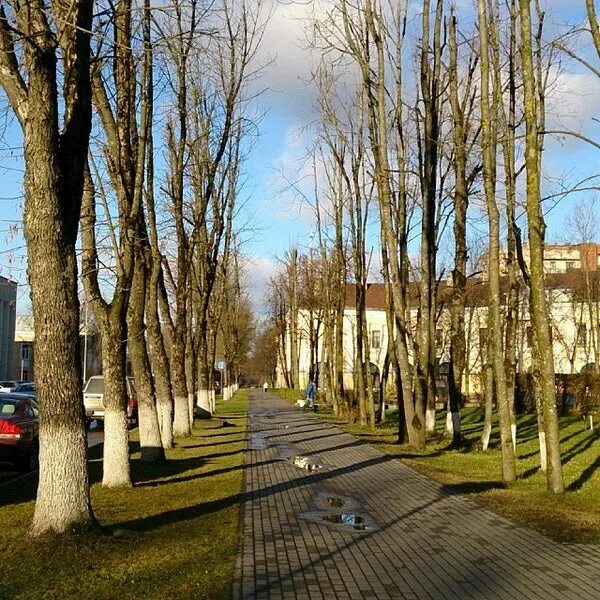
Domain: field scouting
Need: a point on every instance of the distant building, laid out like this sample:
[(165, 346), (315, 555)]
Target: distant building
[(573, 313), (8, 303), (22, 364), (23, 357), (558, 258)]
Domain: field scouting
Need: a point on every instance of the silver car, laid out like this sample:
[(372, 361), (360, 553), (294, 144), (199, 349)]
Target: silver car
[(93, 399)]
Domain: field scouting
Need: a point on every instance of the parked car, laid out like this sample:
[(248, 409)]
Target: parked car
[(19, 431), (8, 386), (26, 387), (93, 399)]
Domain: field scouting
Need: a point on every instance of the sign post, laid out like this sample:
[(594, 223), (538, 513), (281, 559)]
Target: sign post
[(222, 365)]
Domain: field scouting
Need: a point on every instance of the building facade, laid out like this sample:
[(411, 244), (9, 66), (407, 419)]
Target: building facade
[(573, 297), (8, 311)]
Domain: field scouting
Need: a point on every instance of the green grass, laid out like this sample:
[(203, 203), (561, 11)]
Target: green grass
[(571, 517), (173, 535)]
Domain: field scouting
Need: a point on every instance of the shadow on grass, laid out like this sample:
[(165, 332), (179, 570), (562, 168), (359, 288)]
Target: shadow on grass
[(181, 514), (474, 487), (212, 444), (585, 476), (192, 512)]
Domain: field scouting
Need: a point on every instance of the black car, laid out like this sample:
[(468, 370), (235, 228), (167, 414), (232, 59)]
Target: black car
[(24, 387), (19, 431)]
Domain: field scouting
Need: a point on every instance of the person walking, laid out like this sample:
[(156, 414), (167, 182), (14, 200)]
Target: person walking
[(265, 386), (311, 392)]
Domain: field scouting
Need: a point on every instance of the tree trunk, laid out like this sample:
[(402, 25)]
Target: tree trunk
[(181, 423), (536, 228), (459, 273), (293, 319), (495, 329), (54, 163), (151, 447), (489, 393), (160, 369), (115, 468)]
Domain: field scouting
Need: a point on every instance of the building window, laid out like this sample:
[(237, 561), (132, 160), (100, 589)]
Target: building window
[(375, 339), (581, 335), (25, 351), (529, 337), (439, 338), (552, 266), (571, 264), (483, 333)]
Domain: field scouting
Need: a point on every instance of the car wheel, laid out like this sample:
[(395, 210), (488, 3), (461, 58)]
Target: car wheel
[(31, 461)]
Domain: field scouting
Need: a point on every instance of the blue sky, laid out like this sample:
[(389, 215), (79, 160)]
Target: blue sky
[(277, 220)]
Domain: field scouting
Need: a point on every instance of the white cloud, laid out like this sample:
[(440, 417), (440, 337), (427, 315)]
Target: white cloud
[(574, 101), (258, 272)]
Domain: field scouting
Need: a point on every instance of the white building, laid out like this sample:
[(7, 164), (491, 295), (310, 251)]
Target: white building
[(574, 321)]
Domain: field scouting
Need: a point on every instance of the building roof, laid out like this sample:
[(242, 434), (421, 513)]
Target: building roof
[(477, 291)]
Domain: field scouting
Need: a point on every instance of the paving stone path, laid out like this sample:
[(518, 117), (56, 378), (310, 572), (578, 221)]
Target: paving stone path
[(366, 526)]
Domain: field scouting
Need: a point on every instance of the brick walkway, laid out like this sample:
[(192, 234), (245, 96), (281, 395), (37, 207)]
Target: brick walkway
[(416, 540)]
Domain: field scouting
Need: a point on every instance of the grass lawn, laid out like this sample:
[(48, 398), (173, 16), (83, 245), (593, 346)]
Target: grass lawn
[(572, 517), (173, 535)]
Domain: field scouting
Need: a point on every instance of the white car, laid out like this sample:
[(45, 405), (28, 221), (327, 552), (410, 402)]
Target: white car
[(93, 399), (8, 386)]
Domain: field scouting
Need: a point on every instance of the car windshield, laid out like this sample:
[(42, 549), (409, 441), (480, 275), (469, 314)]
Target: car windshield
[(7, 407), (95, 386), (9, 384)]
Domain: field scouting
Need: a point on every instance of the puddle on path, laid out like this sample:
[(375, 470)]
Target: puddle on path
[(335, 502), (257, 442), (286, 451), (349, 519)]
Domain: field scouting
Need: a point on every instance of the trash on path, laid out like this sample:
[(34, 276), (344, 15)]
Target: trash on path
[(305, 463), (350, 519), (335, 502)]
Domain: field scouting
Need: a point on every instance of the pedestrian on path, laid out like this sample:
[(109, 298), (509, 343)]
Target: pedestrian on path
[(265, 386), (311, 392)]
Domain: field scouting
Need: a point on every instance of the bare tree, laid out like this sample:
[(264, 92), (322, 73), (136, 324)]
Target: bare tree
[(461, 103), (495, 329), (125, 152), (536, 228), (43, 44)]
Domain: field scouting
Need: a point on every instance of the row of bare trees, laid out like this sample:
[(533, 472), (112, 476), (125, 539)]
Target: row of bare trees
[(135, 124), (415, 131)]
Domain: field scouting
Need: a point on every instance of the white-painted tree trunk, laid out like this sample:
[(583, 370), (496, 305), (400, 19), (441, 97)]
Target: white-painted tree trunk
[(449, 424), (204, 400), (181, 423), (191, 410), (543, 451), (513, 431), (485, 438), (116, 472), (430, 420), (149, 429), (165, 422), (60, 502)]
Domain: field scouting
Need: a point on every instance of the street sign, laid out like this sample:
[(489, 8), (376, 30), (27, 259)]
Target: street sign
[(221, 365)]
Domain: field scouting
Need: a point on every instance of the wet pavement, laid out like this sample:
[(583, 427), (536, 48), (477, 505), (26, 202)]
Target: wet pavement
[(363, 525)]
